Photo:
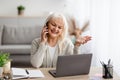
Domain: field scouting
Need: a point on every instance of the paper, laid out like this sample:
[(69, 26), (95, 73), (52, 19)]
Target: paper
[(35, 73), (95, 78), (19, 73)]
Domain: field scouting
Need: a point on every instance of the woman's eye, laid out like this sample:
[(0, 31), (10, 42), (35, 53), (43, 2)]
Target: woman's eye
[(59, 27), (53, 24)]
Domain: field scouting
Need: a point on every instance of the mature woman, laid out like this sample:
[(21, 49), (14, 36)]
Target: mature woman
[(53, 42)]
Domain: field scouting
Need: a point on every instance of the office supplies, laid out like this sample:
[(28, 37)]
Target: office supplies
[(109, 61), (19, 73), (72, 65), (107, 69), (27, 71)]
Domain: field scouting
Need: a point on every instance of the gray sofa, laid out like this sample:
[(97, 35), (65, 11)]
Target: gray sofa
[(17, 41)]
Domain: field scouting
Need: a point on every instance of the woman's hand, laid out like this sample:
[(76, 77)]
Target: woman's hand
[(44, 35), (82, 40)]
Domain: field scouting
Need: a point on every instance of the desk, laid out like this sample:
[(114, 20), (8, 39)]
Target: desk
[(93, 72)]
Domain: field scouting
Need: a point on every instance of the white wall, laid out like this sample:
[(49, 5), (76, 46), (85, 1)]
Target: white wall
[(40, 7), (33, 7), (43, 7)]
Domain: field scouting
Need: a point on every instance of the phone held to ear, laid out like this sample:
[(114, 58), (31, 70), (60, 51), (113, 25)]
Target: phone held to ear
[(47, 30)]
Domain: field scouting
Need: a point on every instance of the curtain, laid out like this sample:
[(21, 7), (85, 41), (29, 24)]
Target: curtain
[(104, 17), (105, 28)]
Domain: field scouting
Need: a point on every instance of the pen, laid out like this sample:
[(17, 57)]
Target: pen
[(27, 71), (109, 62), (102, 63)]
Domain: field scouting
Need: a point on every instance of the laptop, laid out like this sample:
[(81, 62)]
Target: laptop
[(71, 65)]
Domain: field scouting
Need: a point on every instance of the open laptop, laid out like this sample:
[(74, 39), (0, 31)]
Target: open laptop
[(71, 65)]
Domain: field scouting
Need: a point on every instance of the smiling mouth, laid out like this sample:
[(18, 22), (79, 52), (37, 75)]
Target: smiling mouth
[(54, 32)]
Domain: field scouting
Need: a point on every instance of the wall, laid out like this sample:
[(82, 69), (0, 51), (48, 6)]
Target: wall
[(33, 7), (80, 8)]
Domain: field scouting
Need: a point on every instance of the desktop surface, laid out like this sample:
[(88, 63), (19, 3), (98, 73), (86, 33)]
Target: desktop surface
[(95, 74)]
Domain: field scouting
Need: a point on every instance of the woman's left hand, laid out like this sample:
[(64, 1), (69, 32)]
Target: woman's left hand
[(82, 40)]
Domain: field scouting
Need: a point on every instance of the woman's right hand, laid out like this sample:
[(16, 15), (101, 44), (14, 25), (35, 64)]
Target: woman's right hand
[(82, 40), (44, 35)]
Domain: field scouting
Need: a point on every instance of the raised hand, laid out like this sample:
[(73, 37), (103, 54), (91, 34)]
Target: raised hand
[(82, 40)]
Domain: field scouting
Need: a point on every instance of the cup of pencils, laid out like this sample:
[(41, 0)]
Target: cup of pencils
[(107, 70)]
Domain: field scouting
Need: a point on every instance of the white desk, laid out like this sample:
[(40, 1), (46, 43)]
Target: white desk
[(93, 72)]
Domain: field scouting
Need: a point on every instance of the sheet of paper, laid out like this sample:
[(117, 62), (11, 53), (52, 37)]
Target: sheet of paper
[(35, 73), (19, 72)]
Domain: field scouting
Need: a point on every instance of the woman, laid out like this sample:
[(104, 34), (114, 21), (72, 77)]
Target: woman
[(53, 42)]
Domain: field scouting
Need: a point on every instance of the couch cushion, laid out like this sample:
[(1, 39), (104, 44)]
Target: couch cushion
[(16, 49), (20, 60), (20, 34), (1, 31)]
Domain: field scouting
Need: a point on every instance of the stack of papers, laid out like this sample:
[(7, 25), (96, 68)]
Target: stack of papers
[(19, 73)]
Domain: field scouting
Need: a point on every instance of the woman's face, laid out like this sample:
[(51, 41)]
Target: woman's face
[(55, 27)]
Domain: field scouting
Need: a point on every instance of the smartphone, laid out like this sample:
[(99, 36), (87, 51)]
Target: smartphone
[(47, 28)]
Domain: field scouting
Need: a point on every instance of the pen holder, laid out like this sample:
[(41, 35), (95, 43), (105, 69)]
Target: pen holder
[(108, 71)]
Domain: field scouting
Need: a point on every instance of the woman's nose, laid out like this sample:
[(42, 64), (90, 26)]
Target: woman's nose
[(56, 28)]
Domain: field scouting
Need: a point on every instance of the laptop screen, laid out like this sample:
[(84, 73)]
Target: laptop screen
[(73, 65)]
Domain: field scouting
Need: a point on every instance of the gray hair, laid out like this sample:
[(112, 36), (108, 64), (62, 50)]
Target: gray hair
[(59, 15)]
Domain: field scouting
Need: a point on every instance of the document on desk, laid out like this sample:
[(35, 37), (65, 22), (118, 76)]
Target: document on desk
[(19, 73)]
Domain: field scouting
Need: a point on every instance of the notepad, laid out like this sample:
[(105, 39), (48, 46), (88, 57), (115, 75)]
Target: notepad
[(19, 73)]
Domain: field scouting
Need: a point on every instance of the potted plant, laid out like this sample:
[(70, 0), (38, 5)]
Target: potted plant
[(20, 9), (4, 59)]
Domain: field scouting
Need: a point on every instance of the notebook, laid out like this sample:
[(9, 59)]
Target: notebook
[(19, 73), (72, 65)]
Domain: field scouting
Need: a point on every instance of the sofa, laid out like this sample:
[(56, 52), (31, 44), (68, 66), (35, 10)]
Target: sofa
[(16, 39)]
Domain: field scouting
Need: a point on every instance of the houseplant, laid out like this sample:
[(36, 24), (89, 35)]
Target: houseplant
[(20, 9), (4, 59)]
